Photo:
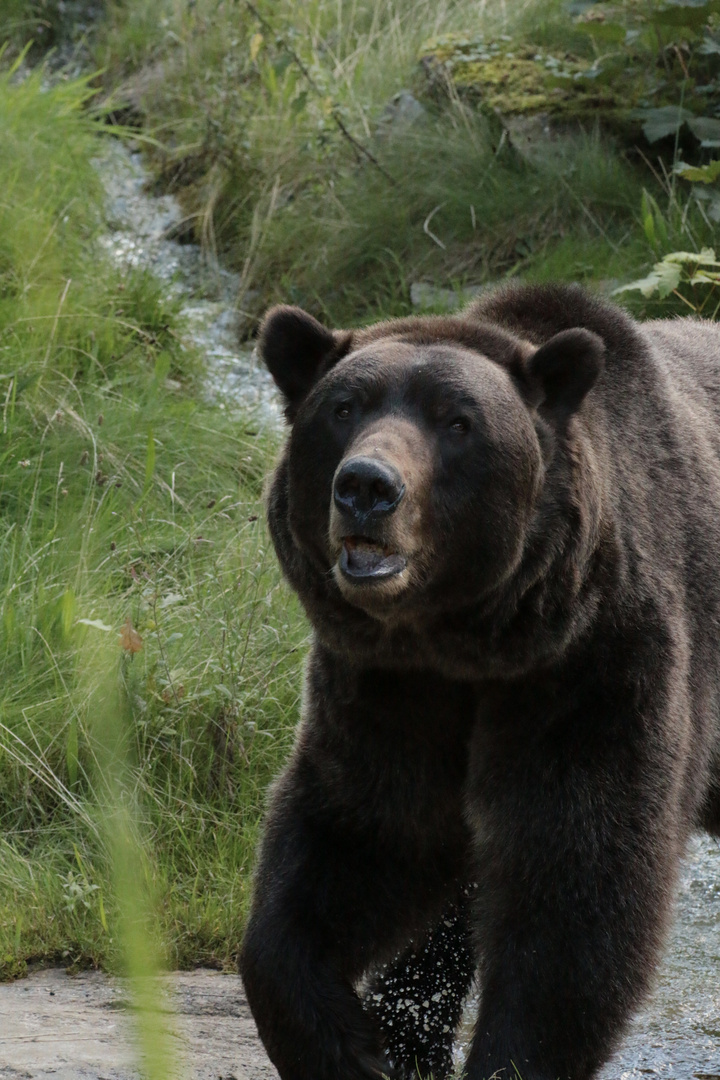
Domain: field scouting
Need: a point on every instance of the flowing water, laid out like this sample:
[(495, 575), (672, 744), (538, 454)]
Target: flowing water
[(677, 1036), (140, 230)]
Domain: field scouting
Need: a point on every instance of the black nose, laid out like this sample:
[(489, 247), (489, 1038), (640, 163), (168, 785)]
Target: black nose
[(367, 487)]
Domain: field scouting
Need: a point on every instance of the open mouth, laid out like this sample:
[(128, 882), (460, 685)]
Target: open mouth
[(362, 559)]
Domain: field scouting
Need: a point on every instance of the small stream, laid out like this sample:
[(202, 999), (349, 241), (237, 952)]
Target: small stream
[(677, 1036), (139, 235)]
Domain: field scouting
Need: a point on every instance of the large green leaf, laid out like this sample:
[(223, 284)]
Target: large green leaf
[(691, 13), (661, 122), (705, 277), (707, 129), (663, 279), (682, 258)]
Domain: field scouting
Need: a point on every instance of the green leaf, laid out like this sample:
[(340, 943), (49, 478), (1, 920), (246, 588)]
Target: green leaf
[(648, 220), (298, 105), (101, 909), (71, 751), (702, 174), (705, 258), (667, 277), (704, 277), (149, 460), (691, 13), (67, 611), (663, 279), (653, 221), (281, 65), (707, 129), (661, 122)]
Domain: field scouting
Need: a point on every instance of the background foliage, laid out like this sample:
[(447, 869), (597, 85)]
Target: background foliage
[(280, 128)]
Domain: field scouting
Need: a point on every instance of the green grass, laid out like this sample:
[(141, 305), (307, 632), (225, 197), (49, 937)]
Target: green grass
[(125, 502), (267, 119), (43, 24)]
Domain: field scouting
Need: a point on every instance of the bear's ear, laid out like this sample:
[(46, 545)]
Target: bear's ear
[(565, 369), (298, 350)]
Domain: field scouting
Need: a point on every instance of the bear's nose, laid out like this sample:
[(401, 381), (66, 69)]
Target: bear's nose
[(367, 487)]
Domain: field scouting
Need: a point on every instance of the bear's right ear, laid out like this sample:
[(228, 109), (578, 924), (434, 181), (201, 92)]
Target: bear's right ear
[(298, 350), (565, 369)]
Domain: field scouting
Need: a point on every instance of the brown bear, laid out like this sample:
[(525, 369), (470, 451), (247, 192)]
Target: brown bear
[(505, 529)]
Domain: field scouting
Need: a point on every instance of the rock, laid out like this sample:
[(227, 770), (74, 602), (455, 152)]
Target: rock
[(516, 80), (619, 90), (427, 297), (402, 112), (530, 135)]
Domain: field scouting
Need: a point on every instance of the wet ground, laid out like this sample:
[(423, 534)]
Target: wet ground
[(80, 1028), (678, 1034)]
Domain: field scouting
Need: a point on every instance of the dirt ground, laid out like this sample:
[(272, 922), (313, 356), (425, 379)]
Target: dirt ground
[(54, 1026)]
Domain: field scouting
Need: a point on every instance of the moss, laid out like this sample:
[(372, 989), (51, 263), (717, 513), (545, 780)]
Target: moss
[(517, 81), (12, 968)]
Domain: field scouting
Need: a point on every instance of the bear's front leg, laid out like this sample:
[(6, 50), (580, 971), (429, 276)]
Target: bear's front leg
[(578, 835), (418, 999), (365, 844)]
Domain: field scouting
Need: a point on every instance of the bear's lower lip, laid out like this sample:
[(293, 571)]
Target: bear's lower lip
[(362, 559)]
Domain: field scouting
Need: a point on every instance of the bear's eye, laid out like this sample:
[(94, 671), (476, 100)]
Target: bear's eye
[(343, 410), (460, 424)]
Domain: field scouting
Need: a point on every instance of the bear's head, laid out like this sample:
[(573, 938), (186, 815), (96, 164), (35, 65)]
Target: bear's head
[(418, 450)]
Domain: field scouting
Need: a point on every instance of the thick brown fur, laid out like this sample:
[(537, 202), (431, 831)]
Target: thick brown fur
[(505, 530)]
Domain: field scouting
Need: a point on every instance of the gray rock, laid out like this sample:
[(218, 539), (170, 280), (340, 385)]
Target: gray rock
[(531, 136), (403, 111), (426, 297)]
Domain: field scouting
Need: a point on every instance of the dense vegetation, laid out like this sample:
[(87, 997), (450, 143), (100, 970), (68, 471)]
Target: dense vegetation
[(334, 154), (130, 546), (278, 126)]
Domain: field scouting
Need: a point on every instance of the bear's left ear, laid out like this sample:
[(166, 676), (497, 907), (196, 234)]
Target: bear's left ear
[(298, 350), (565, 369)]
